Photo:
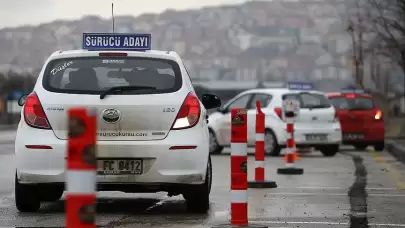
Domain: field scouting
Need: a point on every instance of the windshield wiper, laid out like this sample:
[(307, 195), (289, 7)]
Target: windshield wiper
[(123, 88)]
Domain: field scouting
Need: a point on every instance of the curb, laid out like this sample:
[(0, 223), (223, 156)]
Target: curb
[(396, 150)]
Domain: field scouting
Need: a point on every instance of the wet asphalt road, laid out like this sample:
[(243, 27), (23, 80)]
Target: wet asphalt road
[(352, 189)]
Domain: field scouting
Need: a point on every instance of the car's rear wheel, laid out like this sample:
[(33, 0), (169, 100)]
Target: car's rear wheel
[(329, 151), (26, 197), (215, 148), (360, 146), (198, 197), (379, 146), (271, 146), (51, 193)]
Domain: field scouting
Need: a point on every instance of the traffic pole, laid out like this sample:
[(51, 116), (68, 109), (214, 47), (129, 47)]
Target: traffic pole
[(81, 165), (290, 151), (239, 186), (260, 164)]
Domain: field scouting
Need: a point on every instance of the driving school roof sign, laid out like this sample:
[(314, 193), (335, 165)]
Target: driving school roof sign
[(299, 86), (116, 41)]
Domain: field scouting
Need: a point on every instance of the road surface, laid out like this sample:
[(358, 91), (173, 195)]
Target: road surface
[(352, 189)]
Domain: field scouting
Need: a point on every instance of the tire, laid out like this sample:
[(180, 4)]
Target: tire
[(50, 194), (26, 197), (360, 146), (273, 149), (197, 197), (329, 151), (215, 148), (379, 146)]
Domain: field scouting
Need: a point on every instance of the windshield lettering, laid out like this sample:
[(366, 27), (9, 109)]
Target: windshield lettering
[(60, 68)]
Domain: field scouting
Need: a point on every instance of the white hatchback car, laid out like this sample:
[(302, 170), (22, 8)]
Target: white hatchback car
[(316, 126), (160, 125)]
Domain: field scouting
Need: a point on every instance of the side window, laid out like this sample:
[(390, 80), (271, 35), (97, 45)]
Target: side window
[(263, 98), (241, 102)]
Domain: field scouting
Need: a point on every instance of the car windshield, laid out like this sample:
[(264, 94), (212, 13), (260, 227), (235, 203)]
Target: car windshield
[(309, 100), (355, 103), (94, 75)]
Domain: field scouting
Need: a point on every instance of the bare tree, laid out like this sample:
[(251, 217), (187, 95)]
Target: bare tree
[(386, 24), (356, 29)]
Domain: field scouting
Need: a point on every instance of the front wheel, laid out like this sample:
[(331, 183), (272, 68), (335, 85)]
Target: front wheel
[(198, 197), (329, 151), (271, 146)]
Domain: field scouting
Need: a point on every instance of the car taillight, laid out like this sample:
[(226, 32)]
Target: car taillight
[(34, 114), (378, 115), (336, 116), (189, 113), (279, 112)]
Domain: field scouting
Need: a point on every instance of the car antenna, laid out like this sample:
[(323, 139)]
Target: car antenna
[(112, 17)]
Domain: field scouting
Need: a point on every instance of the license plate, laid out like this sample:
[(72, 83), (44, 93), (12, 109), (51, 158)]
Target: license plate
[(119, 167), (317, 137), (353, 136)]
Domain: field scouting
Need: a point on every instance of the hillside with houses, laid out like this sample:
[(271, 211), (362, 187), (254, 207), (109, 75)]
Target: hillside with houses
[(258, 40)]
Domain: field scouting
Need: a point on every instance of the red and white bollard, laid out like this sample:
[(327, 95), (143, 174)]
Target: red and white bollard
[(260, 166), (81, 170), (239, 195), (290, 152)]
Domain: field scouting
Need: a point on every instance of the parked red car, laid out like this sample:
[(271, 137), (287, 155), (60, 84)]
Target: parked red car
[(361, 121)]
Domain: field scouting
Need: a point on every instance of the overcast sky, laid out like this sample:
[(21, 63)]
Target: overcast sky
[(20, 12)]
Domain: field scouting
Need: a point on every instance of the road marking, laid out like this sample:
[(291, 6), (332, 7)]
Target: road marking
[(331, 194), (394, 173), (262, 222)]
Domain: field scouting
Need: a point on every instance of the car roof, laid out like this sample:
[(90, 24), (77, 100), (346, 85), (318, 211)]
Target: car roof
[(83, 53)]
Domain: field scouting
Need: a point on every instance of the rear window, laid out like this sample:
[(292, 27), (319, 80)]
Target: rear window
[(356, 103), (93, 75), (309, 100)]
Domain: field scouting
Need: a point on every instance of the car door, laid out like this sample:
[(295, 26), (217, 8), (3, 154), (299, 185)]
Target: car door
[(225, 121), (264, 100)]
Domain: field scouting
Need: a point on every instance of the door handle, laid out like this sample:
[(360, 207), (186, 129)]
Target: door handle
[(206, 118)]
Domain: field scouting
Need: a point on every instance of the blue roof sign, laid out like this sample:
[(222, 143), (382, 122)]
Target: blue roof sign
[(300, 86), (356, 91), (116, 41)]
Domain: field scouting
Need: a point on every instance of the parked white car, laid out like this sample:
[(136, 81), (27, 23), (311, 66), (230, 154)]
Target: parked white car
[(316, 126)]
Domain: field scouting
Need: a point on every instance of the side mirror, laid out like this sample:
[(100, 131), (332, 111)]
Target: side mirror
[(210, 101), (22, 100)]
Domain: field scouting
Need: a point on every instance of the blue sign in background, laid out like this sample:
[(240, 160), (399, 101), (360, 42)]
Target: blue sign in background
[(121, 41), (300, 85)]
